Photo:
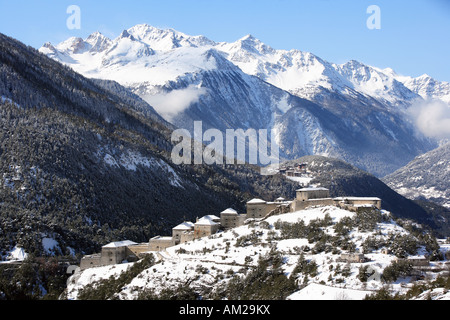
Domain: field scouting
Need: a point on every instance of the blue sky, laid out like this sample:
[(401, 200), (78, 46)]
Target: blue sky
[(413, 39)]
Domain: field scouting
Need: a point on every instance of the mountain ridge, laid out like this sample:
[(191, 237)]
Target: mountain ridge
[(169, 39)]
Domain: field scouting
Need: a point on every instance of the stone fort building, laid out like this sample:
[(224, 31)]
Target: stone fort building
[(116, 252)]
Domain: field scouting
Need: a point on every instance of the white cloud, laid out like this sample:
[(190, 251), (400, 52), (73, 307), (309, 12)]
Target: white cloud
[(172, 103), (432, 118)]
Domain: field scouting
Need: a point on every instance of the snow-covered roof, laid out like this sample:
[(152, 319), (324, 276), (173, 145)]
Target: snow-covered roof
[(187, 225), (279, 199), (313, 189), (165, 238), (318, 200), (206, 222), (229, 210), (211, 217), (420, 257), (357, 198), (94, 255), (118, 244), (256, 201)]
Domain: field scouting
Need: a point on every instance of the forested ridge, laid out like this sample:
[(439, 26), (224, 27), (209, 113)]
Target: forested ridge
[(59, 133)]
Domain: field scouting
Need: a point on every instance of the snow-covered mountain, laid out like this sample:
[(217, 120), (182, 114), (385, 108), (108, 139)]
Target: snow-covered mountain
[(294, 256), (141, 54), (295, 71), (351, 111), (424, 85), (306, 75)]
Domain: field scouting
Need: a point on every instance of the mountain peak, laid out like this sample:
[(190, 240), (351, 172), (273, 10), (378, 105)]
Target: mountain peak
[(248, 37), (126, 34), (48, 45), (167, 39), (73, 45), (96, 35), (354, 64), (143, 30), (98, 42), (143, 26), (389, 71), (254, 45), (424, 77)]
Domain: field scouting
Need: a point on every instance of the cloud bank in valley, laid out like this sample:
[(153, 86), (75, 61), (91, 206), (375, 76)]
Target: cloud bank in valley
[(432, 118), (169, 104)]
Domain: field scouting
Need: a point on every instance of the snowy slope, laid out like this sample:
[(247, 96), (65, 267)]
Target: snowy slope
[(211, 262), (316, 291), (14, 255), (426, 177)]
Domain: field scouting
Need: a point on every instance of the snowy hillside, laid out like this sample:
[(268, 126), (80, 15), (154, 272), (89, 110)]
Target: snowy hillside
[(426, 177), (295, 256)]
